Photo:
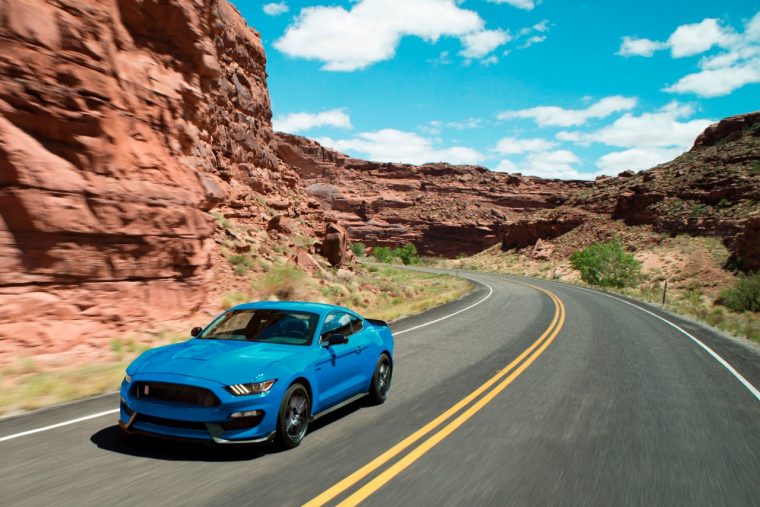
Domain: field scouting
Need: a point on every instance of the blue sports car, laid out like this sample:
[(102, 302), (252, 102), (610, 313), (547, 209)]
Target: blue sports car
[(258, 372)]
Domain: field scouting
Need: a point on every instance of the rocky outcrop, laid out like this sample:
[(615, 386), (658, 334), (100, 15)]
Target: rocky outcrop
[(450, 210), (121, 123), (335, 244), (711, 190), (747, 247), (445, 210)]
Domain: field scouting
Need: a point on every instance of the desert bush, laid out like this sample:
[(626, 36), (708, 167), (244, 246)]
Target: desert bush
[(744, 296), (284, 282), (606, 265), (407, 254), (383, 254), (241, 263), (359, 249), (233, 298)]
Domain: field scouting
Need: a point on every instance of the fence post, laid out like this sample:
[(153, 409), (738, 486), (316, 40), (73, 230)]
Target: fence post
[(664, 293)]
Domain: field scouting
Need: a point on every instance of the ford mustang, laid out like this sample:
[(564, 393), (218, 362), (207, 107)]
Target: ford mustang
[(258, 372)]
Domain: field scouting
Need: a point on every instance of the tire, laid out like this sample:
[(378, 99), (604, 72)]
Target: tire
[(293, 419), (381, 380)]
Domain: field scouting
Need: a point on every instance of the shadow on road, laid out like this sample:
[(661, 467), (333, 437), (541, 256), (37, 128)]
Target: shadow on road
[(114, 440)]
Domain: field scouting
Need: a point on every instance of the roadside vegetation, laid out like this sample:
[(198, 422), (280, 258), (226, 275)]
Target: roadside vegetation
[(607, 265), (406, 254), (252, 270), (690, 273)]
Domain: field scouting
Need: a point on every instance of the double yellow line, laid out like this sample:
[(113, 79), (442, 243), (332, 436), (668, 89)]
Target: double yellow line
[(511, 372)]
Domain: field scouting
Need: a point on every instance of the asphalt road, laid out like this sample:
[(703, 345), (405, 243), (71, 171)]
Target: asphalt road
[(587, 400)]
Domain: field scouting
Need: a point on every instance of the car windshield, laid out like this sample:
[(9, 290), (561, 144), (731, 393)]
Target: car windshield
[(270, 326)]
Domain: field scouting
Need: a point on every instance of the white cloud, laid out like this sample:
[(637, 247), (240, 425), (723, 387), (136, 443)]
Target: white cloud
[(737, 65), (348, 40), (558, 116), (469, 123), (513, 145), (636, 159), (632, 46), (391, 145), (481, 43), (275, 8), (718, 82), (532, 40), (696, 38), (660, 129), (431, 128), (520, 4), (506, 166), (552, 164), (298, 122)]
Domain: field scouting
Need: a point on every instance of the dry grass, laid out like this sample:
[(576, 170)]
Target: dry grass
[(692, 266), (381, 292), (27, 386)]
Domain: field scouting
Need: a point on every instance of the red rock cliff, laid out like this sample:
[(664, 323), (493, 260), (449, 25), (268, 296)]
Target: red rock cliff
[(121, 123)]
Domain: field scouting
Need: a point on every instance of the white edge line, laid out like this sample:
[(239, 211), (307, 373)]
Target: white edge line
[(109, 412), (490, 291), (58, 425), (752, 389)]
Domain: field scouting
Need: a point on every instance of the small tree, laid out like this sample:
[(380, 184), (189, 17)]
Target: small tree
[(359, 249), (606, 265), (744, 296), (382, 254), (407, 254)]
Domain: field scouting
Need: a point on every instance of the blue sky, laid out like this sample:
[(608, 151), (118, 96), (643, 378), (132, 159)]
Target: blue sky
[(554, 88)]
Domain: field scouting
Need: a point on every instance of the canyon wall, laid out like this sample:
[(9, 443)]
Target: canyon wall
[(122, 122), (712, 190)]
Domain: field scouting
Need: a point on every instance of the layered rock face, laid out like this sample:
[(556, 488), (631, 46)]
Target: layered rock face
[(711, 190), (714, 189), (121, 123), (443, 209)]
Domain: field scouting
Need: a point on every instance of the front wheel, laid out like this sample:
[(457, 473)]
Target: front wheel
[(293, 420), (381, 380)]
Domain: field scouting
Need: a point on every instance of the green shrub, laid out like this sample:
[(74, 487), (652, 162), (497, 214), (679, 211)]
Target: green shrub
[(242, 263), (358, 248), (606, 265), (407, 254), (699, 209), (744, 296), (383, 254), (755, 168)]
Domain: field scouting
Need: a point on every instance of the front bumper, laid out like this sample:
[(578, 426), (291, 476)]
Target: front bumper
[(175, 419)]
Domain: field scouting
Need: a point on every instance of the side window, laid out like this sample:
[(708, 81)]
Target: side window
[(356, 324), (337, 323)]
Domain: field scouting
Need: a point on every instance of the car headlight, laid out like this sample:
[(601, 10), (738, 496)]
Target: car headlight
[(254, 388), (128, 378)]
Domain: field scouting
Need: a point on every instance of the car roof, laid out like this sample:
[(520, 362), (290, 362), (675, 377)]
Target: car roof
[(303, 306)]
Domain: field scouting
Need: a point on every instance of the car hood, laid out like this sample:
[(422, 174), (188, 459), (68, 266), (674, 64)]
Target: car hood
[(225, 361)]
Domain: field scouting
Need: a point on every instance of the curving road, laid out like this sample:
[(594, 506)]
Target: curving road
[(514, 395)]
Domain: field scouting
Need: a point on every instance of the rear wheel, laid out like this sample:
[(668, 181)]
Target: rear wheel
[(381, 380), (293, 420)]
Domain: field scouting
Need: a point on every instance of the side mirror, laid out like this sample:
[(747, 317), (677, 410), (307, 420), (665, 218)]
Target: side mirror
[(335, 339), (195, 331)]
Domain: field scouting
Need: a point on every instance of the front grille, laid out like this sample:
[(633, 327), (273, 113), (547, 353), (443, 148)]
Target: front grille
[(175, 392), (189, 425)]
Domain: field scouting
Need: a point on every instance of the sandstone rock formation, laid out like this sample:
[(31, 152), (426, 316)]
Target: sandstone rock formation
[(443, 209), (121, 123), (448, 210)]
